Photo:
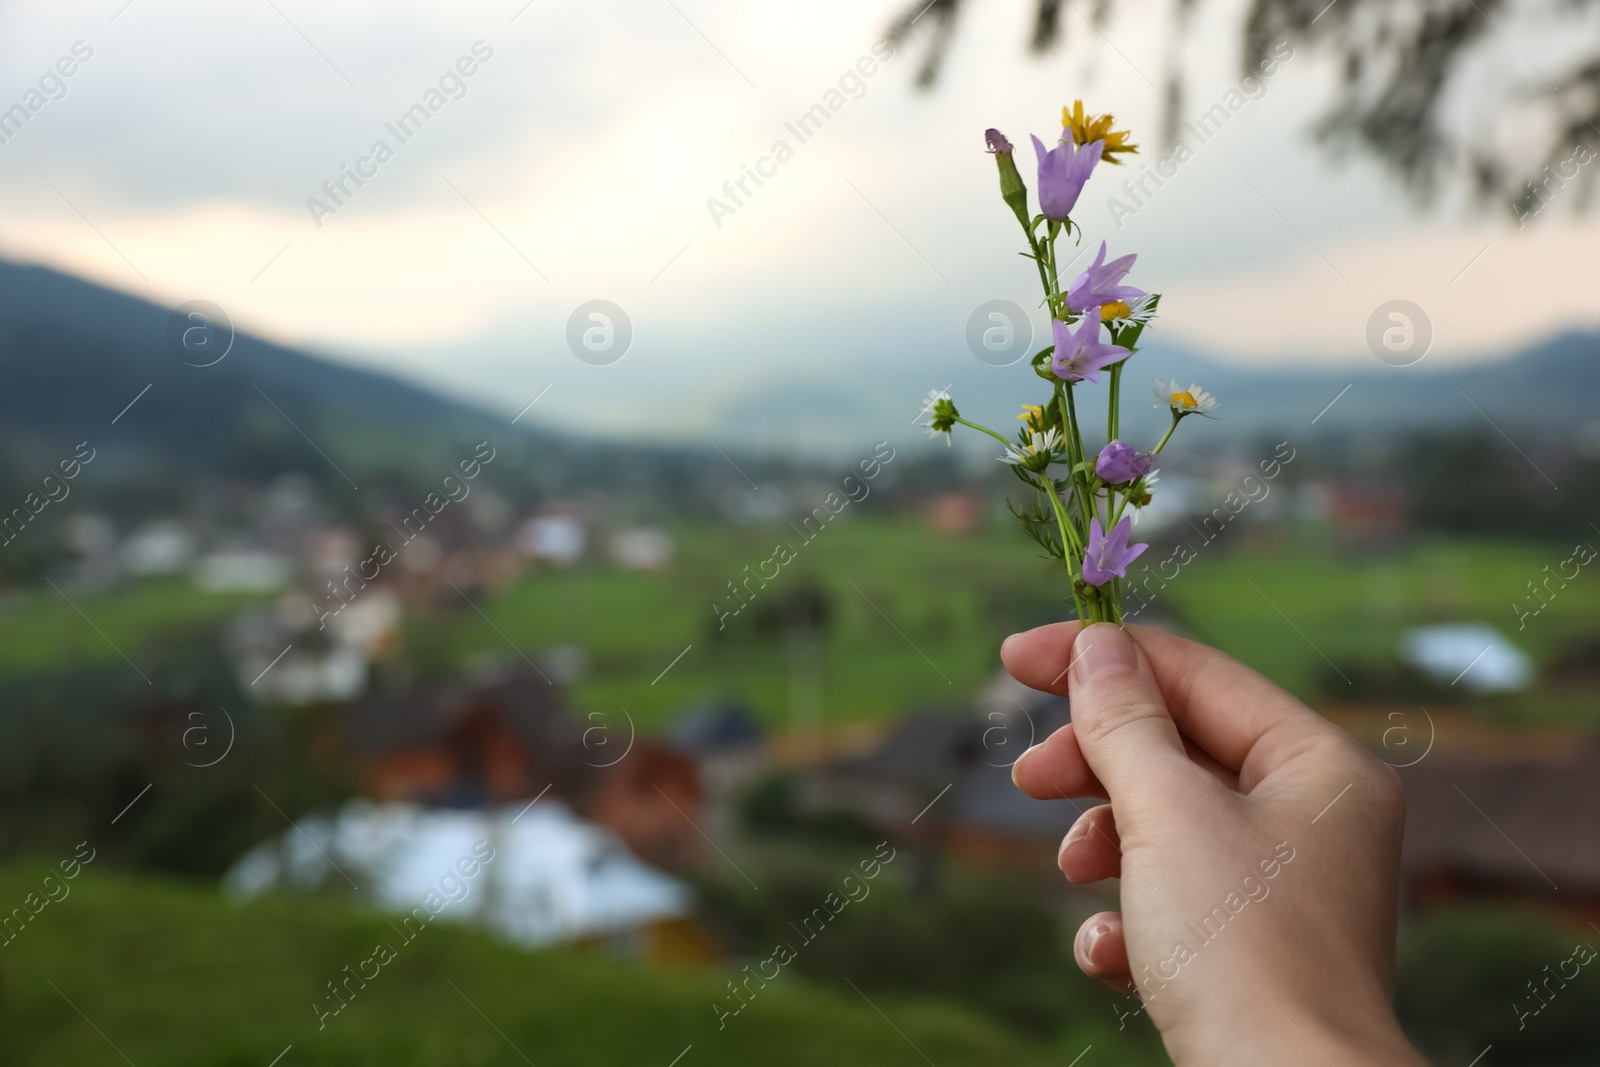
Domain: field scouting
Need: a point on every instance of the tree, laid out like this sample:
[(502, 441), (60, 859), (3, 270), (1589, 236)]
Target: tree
[(1437, 90)]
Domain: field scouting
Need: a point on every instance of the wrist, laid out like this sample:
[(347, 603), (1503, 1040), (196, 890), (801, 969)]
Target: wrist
[(1382, 1044), (1317, 1037)]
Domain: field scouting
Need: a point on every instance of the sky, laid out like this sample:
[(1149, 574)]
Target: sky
[(180, 159)]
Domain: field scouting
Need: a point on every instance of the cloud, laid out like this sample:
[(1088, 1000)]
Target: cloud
[(589, 146), (1488, 291)]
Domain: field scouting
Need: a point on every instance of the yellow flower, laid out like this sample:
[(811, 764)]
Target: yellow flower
[(1033, 415), (1117, 309), (1087, 128)]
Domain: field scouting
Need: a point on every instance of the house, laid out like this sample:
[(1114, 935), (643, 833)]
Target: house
[(534, 875), (943, 778), (506, 735), (1580, 663), (652, 800), (284, 652), (464, 743), (1517, 823), (727, 742), (1365, 514), (557, 538), (955, 513)]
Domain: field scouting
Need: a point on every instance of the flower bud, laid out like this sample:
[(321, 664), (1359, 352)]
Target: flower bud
[(1012, 189)]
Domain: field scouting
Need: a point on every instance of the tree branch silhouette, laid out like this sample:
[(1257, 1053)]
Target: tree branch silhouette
[(1403, 67)]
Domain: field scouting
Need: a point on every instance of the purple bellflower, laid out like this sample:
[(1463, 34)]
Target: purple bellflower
[(1081, 356), (996, 140), (1108, 556), (1099, 285), (1062, 172), (1120, 463)]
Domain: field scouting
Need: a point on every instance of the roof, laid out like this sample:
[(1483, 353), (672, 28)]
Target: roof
[(405, 716), (985, 799), (924, 745), (548, 877), (968, 753), (1520, 822), (717, 728), (1473, 653)]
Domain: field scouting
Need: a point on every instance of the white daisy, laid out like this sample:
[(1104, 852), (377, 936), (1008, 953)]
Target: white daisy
[(941, 412), (1124, 315), (1191, 401), (1037, 454), (1149, 486)]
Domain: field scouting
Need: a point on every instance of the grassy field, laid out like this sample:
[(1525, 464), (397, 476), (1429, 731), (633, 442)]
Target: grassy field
[(40, 628), (1300, 609), (147, 972), (916, 617)]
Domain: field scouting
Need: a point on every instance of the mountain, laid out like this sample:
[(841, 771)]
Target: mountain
[(75, 356), (1544, 391), (82, 363)]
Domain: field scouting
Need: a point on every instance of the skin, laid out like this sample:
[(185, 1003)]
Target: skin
[(1214, 775)]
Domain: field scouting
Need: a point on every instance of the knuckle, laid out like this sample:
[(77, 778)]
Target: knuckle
[(1380, 783), (1387, 784), (1096, 726)]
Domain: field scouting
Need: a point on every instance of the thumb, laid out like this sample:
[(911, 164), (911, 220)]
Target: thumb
[(1118, 714)]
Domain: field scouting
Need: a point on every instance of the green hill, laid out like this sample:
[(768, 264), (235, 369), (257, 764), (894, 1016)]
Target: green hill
[(150, 972), (82, 363)]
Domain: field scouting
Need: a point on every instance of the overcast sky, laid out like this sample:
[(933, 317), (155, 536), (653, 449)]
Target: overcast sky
[(577, 161)]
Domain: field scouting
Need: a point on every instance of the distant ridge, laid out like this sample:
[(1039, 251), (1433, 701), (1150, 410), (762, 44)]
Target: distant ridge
[(1544, 391), (73, 355)]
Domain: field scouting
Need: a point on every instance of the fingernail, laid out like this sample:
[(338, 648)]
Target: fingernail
[(1091, 939), (1080, 830), (1102, 651), (1018, 763)]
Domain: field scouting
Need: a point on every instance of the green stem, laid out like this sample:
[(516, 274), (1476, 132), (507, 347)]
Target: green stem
[(1069, 541), (1069, 532), (983, 429), (1121, 506), (1168, 436), (1049, 274), (1080, 480), (1115, 403), (1053, 284), (1164, 439), (1038, 259)]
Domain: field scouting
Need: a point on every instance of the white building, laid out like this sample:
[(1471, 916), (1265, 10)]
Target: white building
[(552, 878)]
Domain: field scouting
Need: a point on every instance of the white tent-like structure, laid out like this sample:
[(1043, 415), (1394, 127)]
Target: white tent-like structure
[(1474, 654), (549, 876)]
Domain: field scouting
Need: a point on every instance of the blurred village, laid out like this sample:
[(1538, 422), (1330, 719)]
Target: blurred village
[(617, 834)]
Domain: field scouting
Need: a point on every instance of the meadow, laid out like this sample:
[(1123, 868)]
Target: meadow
[(908, 617), (148, 971)]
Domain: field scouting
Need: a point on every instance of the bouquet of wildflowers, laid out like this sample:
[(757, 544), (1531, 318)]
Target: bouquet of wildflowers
[(1082, 507)]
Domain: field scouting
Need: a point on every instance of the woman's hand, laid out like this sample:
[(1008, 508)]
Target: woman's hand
[(1257, 844)]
